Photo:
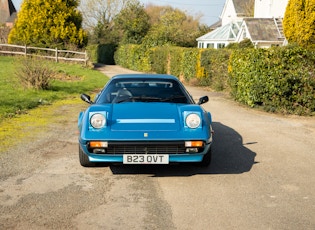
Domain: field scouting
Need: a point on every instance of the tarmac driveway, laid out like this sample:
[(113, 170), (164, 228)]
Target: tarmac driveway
[(261, 177)]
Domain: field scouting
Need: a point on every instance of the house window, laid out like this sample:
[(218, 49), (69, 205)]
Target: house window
[(200, 45), (210, 45), (221, 45)]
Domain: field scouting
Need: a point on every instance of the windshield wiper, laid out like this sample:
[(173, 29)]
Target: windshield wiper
[(123, 99), (152, 99), (147, 99), (138, 98), (174, 97)]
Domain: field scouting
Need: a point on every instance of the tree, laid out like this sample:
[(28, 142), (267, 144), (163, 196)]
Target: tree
[(97, 12), (173, 26), (155, 12), (299, 22), (49, 23), (104, 33), (134, 22), (98, 20)]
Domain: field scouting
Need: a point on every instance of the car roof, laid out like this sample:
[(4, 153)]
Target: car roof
[(148, 76)]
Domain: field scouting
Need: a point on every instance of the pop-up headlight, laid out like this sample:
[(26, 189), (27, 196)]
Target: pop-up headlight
[(193, 120), (98, 120)]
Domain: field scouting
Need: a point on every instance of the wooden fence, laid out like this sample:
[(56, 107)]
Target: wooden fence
[(57, 55)]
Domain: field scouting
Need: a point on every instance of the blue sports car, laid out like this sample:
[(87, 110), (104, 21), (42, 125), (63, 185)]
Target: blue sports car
[(144, 119)]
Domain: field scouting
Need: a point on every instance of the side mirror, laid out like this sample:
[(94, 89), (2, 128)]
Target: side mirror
[(203, 100), (86, 98)]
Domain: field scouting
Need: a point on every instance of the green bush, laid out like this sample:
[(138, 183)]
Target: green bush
[(158, 59), (174, 61), (103, 53), (281, 79), (70, 81), (178, 61), (128, 56), (189, 63), (215, 64), (246, 43)]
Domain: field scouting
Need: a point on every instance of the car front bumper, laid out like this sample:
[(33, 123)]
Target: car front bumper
[(177, 156)]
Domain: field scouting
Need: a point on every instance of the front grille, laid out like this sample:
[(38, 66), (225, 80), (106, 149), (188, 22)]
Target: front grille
[(146, 148)]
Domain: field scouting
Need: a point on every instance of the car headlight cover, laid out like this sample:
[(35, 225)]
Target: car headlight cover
[(193, 120), (98, 121)]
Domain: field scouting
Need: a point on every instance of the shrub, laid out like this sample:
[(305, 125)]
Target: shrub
[(246, 43), (174, 59), (215, 64), (281, 79), (158, 59), (103, 53), (34, 73), (189, 63)]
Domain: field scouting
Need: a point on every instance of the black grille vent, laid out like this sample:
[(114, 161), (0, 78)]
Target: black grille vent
[(146, 148)]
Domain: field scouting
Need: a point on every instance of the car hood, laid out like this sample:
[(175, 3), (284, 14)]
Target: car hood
[(145, 117), (138, 121)]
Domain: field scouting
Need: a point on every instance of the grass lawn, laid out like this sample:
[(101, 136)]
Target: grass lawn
[(71, 81)]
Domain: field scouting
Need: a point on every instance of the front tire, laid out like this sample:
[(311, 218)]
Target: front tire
[(84, 159)]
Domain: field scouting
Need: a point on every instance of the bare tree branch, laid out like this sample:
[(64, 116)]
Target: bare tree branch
[(100, 11)]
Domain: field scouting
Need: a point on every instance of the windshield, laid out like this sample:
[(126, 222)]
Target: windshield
[(143, 90)]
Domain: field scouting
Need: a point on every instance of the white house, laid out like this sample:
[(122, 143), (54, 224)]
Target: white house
[(263, 32), (270, 8), (220, 37), (231, 19), (264, 29), (235, 11)]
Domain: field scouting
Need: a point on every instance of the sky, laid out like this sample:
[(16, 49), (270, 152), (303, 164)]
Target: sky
[(210, 9)]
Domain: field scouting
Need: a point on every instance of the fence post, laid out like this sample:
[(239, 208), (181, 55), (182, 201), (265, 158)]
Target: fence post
[(25, 50), (86, 58), (56, 54)]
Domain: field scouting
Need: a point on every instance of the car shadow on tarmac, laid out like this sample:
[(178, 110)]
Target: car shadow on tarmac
[(229, 156)]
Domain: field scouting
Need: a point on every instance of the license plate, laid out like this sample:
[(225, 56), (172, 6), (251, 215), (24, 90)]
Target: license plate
[(145, 159)]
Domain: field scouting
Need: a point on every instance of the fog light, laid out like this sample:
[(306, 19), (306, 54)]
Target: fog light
[(192, 150), (99, 151)]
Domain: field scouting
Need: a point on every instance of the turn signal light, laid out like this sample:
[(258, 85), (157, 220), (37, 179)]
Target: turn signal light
[(194, 144), (98, 144)]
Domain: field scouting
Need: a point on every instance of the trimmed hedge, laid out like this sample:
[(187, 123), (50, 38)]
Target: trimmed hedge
[(158, 57), (174, 61), (281, 79), (133, 57), (215, 63), (103, 53), (208, 67), (189, 63)]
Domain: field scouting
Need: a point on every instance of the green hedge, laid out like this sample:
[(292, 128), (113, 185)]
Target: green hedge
[(175, 58), (206, 67), (158, 57), (189, 63), (132, 57), (215, 63), (281, 79), (103, 53)]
